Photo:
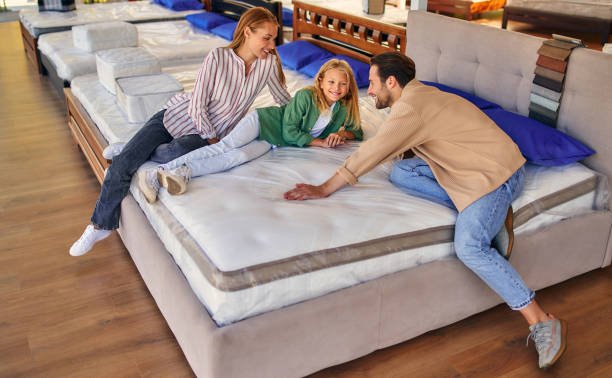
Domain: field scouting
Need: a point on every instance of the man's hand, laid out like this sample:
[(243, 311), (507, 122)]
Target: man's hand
[(304, 191)]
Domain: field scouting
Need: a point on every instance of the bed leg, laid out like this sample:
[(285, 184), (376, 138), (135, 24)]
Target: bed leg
[(504, 19)]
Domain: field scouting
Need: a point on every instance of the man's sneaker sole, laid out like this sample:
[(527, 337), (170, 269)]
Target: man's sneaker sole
[(563, 344)]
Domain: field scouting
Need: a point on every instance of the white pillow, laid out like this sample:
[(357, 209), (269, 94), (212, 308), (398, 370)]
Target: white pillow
[(105, 35)]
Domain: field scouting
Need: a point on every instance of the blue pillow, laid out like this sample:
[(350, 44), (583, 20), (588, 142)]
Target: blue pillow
[(311, 69), (297, 54), (540, 144), (180, 5), (361, 70), (226, 30), (480, 103), (207, 20), (287, 17)]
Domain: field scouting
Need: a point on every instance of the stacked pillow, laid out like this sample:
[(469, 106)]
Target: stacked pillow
[(104, 36), (214, 23), (180, 5)]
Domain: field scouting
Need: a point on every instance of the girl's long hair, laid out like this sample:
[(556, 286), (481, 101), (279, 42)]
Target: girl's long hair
[(350, 100), (254, 18)]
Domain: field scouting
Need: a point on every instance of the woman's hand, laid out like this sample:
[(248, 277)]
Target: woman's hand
[(212, 140)]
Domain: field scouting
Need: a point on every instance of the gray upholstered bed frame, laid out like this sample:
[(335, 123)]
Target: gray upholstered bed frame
[(341, 326)]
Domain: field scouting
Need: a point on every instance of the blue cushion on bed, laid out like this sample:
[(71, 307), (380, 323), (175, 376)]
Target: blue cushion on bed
[(480, 103), (311, 69), (207, 20), (540, 144), (297, 54), (180, 5), (226, 30), (360, 70), (287, 17)]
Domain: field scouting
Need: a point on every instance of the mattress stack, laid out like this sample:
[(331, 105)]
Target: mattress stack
[(547, 86)]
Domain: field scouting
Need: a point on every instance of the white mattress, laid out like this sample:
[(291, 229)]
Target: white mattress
[(171, 42), (232, 223), (230, 227), (392, 14), (38, 23)]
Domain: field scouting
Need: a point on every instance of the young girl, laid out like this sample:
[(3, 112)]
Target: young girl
[(228, 82), (324, 115)]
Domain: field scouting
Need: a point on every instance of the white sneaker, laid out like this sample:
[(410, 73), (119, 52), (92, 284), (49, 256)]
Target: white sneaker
[(148, 184), (90, 236), (175, 180), (112, 150)]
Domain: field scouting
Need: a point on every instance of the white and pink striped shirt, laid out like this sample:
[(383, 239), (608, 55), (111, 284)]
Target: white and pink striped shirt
[(222, 95)]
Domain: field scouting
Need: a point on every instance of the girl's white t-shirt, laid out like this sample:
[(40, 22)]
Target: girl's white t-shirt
[(322, 122)]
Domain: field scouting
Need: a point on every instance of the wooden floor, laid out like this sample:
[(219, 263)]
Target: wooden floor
[(93, 317)]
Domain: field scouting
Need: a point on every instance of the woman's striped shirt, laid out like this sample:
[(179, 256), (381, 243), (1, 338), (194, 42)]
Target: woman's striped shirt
[(222, 95)]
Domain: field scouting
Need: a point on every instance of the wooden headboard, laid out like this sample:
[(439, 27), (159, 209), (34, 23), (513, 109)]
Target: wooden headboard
[(357, 37), (235, 8)]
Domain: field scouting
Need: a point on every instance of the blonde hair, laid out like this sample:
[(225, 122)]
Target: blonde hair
[(253, 19), (350, 100)]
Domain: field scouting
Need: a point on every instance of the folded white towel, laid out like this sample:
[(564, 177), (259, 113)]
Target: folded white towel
[(105, 35)]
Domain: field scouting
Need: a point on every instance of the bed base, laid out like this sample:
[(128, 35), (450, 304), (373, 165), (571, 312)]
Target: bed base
[(558, 20), (51, 72), (30, 45), (87, 137), (355, 321), (354, 36)]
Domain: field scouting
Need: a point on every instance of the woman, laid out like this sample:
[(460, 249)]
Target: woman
[(228, 82)]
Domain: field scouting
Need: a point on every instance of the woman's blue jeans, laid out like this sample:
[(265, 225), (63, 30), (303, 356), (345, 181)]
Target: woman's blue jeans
[(475, 227), (152, 141)]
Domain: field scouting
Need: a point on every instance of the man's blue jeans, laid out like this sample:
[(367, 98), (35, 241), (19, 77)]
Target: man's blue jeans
[(475, 227), (152, 141)]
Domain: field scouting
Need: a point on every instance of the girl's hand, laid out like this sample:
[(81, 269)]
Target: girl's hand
[(316, 142), (334, 139)]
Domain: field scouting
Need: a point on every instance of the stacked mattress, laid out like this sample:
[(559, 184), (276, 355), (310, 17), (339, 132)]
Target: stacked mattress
[(172, 43), (38, 23)]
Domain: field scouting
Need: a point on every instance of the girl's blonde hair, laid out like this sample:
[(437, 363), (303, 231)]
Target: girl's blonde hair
[(253, 19), (350, 100)]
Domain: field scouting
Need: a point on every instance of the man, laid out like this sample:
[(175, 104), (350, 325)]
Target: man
[(464, 161)]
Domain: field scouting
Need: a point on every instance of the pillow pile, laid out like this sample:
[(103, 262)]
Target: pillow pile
[(539, 143), (180, 5), (207, 21)]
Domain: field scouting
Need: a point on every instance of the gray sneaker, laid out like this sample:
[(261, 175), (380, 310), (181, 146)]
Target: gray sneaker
[(504, 240), (550, 339), (175, 180)]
